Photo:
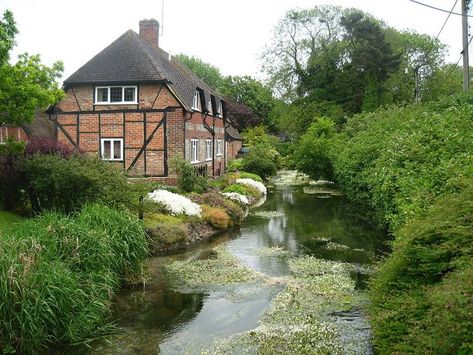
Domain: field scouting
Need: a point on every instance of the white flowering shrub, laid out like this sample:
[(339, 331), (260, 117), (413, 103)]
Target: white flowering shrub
[(175, 203), (235, 196), (256, 184)]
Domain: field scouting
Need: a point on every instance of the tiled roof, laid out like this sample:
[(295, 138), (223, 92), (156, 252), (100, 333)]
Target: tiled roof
[(131, 59), (233, 133)]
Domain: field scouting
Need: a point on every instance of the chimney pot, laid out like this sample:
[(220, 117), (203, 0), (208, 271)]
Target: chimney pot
[(149, 30)]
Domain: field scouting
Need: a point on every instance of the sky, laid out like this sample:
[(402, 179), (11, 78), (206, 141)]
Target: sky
[(229, 34)]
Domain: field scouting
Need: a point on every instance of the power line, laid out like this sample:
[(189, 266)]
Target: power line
[(454, 66), (437, 8)]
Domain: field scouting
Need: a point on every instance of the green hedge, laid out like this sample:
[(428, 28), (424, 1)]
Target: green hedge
[(58, 276), (414, 165)]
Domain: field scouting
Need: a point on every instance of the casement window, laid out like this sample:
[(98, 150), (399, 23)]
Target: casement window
[(194, 150), (208, 149), (219, 147), (3, 135), (116, 95), (112, 149), (220, 109), (209, 107), (196, 105)]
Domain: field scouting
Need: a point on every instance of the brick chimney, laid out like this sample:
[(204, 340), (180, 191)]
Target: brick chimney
[(149, 30)]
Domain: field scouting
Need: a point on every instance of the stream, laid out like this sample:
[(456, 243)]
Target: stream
[(159, 319)]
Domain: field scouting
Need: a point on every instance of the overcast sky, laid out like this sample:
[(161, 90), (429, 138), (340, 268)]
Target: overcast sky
[(229, 34)]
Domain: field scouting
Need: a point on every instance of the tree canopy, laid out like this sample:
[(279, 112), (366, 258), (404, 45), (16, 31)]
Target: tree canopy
[(26, 85)]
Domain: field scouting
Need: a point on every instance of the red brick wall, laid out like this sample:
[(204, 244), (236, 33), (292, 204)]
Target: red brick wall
[(233, 148), (12, 132), (131, 127)]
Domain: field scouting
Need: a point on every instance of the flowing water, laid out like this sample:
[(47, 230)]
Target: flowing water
[(159, 319)]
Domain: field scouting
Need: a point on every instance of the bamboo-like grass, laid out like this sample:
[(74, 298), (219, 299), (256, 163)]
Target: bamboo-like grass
[(58, 276)]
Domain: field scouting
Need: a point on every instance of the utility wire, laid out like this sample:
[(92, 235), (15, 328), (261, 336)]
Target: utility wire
[(454, 66), (437, 8)]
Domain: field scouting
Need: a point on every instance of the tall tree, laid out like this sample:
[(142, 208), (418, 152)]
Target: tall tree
[(208, 73), (26, 85)]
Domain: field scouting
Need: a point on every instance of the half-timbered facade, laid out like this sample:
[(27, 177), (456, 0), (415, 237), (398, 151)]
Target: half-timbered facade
[(137, 107)]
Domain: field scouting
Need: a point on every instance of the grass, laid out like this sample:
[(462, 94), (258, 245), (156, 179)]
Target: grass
[(8, 219), (58, 276)]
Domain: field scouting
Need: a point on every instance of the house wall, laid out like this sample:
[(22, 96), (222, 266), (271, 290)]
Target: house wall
[(233, 148), (12, 132), (195, 129), (81, 124)]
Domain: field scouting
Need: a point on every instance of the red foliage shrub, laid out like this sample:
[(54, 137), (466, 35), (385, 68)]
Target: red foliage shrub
[(47, 146)]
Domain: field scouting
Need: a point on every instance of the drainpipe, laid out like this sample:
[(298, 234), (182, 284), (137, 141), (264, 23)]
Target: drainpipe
[(212, 132)]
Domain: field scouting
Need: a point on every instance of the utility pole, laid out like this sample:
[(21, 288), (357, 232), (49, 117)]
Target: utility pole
[(466, 64)]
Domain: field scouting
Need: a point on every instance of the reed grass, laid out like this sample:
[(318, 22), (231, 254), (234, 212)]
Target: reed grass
[(58, 276)]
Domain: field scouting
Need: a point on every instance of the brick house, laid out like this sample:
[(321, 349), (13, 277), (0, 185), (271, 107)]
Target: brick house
[(138, 107)]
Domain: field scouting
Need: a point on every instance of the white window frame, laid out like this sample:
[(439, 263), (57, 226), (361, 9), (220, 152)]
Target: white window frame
[(208, 149), (112, 148), (220, 109), (196, 103), (123, 95), (2, 138), (194, 151), (209, 107), (219, 147)]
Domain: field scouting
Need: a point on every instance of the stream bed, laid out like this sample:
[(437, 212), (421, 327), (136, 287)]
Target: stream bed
[(294, 221)]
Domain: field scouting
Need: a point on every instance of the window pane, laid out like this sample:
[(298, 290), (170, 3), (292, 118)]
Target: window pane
[(116, 94), (102, 95), (107, 150), (117, 150), (130, 95)]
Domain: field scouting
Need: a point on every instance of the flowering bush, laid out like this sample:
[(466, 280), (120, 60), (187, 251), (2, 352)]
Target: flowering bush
[(256, 184), (235, 196), (175, 203)]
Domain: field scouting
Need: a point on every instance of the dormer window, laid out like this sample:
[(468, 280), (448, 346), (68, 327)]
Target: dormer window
[(220, 109), (115, 95), (209, 107), (196, 101)]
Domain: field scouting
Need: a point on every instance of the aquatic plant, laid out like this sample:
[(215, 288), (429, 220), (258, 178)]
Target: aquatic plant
[(268, 214), (175, 203), (275, 251), (222, 268), (290, 178), (256, 184)]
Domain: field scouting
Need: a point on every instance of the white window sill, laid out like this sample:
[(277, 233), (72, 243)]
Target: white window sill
[(112, 159), (116, 103), (219, 154), (195, 161), (208, 159)]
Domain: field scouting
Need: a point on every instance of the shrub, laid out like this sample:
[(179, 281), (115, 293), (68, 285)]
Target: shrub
[(187, 178), (260, 161), (10, 190), (245, 175), (52, 182), (312, 154), (215, 199), (240, 189), (58, 275), (164, 230), (174, 203), (216, 217), (46, 146), (234, 164), (424, 289)]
